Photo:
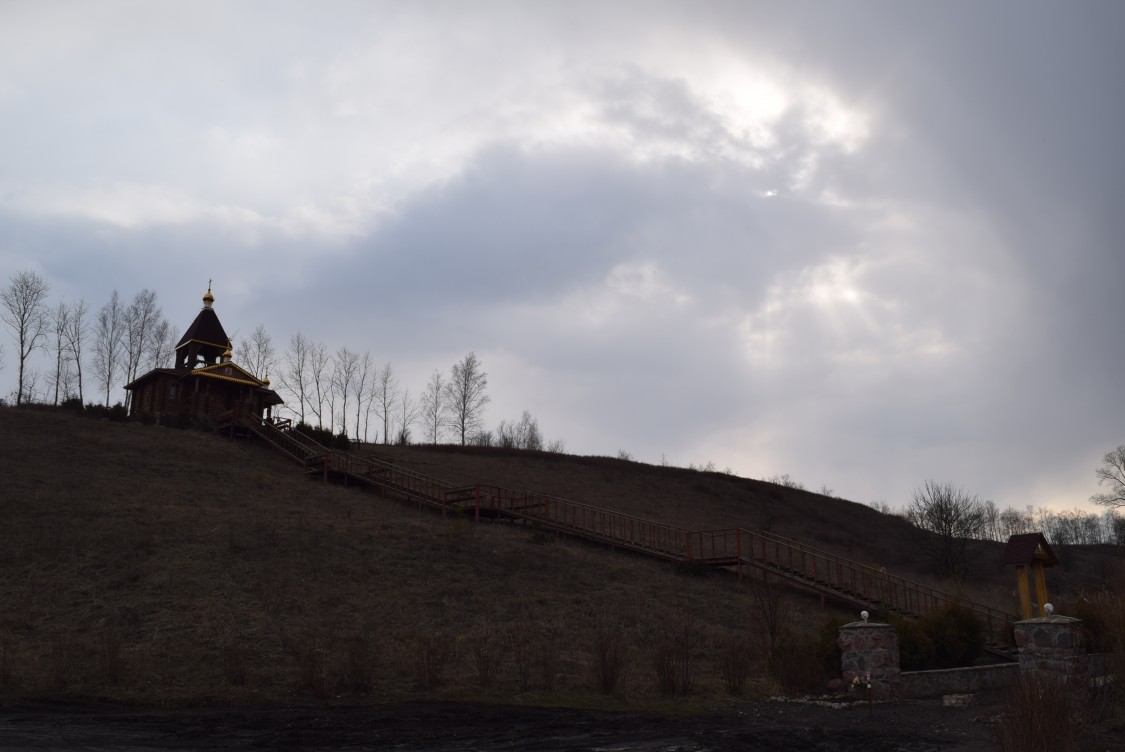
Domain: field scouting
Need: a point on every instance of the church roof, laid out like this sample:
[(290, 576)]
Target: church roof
[(205, 329)]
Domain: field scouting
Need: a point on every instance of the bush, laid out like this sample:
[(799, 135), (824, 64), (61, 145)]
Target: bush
[(607, 659), (915, 648), (432, 654), (671, 654), (804, 663), (72, 405), (735, 660), (1041, 714), (115, 413), (950, 636), (957, 635), (325, 437)]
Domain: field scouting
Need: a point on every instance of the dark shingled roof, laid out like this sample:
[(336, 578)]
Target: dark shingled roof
[(1026, 548), (206, 328)]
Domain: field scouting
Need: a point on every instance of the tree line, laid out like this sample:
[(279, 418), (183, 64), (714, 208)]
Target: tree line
[(344, 392), (103, 348), (956, 518)]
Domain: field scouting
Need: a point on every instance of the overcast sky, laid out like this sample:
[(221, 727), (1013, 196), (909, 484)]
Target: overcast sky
[(864, 244)]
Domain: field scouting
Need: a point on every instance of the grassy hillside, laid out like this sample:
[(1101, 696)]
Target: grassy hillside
[(152, 565)]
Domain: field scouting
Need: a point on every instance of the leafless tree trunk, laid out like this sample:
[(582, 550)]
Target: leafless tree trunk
[(295, 377), (258, 354), (319, 360), (433, 407), (343, 378), (109, 343), (140, 318), (162, 345), (386, 392), (364, 377), (407, 414), (75, 334), (465, 396), (24, 312), (60, 320)]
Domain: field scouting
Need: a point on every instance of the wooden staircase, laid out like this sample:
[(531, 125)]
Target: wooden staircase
[(847, 582)]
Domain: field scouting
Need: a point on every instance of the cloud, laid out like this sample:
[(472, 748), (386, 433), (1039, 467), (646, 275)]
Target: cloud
[(865, 245)]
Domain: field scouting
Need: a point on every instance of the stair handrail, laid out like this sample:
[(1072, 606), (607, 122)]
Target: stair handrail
[(431, 490), (886, 576)]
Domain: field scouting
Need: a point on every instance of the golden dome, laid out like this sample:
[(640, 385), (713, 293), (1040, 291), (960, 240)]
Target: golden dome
[(208, 298)]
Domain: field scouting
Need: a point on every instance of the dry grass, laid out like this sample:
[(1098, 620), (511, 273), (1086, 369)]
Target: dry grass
[(156, 566)]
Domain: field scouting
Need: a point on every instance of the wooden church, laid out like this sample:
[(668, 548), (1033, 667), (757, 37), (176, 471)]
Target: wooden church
[(204, 384)]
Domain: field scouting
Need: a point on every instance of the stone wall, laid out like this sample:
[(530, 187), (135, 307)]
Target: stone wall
[(1052, 643), (916, 684)]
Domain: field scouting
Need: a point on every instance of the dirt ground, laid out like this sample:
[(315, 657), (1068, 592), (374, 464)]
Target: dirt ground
[(921, 726)]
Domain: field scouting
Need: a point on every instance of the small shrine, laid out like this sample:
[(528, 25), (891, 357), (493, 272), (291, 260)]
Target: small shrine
[(204, 383), (1030, 554)]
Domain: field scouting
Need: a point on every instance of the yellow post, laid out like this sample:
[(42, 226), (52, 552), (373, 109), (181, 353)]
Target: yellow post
[(1025, 594), (1040, 586)]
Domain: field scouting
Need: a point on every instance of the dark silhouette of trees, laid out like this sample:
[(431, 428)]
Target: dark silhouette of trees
[(954, 517), (1112, 475)]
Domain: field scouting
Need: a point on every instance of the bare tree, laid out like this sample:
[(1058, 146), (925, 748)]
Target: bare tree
[(343, 381), (258, 354), (954, 517), (141, 317), (407, 414), (295, 376), (386, 394), (162, 345), (466, 396), (364, 377), (433, 407), (75, 334), (319, 376), (109, 343), (60, 323), (521, 434), (24, 311), (1112, 474)]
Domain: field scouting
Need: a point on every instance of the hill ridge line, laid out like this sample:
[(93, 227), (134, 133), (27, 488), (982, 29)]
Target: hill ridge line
[(830, 575)]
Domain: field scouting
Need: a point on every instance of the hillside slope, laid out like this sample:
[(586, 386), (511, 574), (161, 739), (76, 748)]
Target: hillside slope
[(155, 565), (162, 566)]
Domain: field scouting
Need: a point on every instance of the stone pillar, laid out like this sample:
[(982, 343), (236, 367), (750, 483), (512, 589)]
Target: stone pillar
[(1051, 644), (870, 648)]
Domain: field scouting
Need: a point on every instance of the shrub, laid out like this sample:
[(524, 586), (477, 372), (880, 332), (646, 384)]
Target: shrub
[(432, 653), (915, 648), (487, 654), (607, 657), (325, 437), (234, 663), (72, 405), (735, 660), (804, 663), (521, 642), (7, 659), (956, 634), (1041, 713), (313, 668), (359, 664), (671, 655)]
